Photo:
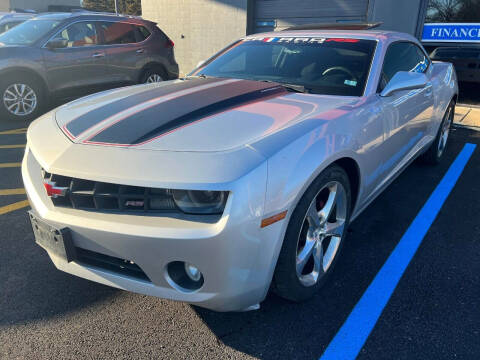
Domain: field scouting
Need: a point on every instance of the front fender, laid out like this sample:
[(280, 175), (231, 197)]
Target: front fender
[(294, 168)]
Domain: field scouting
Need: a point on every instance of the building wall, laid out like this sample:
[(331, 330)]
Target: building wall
[(405, 15), (40, 5), (199, 28), (4, 5)]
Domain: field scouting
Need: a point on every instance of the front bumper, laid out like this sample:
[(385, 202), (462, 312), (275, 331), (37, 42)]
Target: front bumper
[(235, 255)]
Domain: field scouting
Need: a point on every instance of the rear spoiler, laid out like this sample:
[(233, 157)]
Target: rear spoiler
[(336, 26)]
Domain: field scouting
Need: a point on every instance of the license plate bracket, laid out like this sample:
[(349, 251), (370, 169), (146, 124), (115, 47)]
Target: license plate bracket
[(55, 240)]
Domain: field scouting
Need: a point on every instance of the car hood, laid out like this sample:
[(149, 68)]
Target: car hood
[(197, 114)]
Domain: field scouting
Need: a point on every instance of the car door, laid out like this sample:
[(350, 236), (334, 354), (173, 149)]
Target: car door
[(124, 51), (78, 65), (406, 114)]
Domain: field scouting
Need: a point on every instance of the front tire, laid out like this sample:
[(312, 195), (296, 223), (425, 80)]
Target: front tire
[(436, 150), (21, 98), (314, 236)]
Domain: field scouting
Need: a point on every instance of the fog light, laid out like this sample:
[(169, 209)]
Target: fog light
[(193, 272), (184, 276)]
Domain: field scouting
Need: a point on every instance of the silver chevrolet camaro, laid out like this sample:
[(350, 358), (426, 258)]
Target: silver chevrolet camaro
[(241, 177)]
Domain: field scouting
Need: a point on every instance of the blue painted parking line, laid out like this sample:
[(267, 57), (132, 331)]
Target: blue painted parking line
[(349, 340)]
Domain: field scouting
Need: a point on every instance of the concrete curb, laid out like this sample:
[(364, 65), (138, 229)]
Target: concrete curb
[(467, 116)]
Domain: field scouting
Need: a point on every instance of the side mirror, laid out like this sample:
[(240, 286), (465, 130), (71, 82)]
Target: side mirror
[(57, 44), (405, 80)]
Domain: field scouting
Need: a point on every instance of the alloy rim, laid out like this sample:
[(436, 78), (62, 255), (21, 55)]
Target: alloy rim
[(154, 78), (442, 144), (321, 233), (20, 99)]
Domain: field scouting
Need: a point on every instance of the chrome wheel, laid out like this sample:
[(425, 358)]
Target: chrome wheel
[(20, 99), (442, 143), (154, 78), (321, 233)]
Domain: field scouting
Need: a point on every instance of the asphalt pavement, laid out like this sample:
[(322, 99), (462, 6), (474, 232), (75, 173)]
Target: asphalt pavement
[(432, 314)]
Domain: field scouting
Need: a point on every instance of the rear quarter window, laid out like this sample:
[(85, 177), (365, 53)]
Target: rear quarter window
[(116, 33), (143, 33)]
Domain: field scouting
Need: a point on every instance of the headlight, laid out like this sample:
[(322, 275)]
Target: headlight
[(200, 202)]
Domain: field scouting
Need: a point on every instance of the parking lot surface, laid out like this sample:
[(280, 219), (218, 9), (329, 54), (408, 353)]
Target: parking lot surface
[(432, 314)]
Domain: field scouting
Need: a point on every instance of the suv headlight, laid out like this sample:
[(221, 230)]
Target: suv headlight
[(200, 202)]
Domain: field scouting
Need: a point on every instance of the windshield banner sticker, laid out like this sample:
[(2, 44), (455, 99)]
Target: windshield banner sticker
[(288, 40)]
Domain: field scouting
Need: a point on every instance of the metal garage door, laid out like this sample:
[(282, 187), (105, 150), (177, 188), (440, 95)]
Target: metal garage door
[(279, 14)]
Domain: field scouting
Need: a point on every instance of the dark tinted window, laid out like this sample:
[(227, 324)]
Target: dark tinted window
[(456, 53), (402, 56), (322, 66), (118, 33), (143, 33)]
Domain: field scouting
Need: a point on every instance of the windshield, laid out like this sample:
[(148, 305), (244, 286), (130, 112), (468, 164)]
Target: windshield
[(331, 66), (28, 32)]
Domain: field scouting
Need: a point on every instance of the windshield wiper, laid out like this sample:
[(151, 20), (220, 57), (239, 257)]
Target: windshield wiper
[(295, 88), (291, 87), (203, 76)]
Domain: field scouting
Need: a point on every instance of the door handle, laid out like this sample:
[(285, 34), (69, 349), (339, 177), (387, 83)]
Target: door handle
[(140, 51), (428, 89), (98, 55)]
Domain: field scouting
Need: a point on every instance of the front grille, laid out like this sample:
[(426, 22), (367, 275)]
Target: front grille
[(106, 197), (110, 263)]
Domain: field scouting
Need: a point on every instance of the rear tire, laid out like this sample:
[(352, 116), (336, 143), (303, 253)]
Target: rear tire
[(314, 237), (21, 98), (153, 75), (436, 150)]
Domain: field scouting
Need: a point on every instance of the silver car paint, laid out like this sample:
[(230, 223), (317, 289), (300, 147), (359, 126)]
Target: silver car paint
[(267, 169)]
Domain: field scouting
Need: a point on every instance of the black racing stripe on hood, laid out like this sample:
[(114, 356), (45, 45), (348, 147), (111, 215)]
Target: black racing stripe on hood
[(181, 111), (92, 118)]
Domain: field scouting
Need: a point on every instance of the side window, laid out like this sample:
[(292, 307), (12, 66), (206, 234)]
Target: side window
[(9, 25), (79, 34), (420, 61), (115, 33), (143, 33), (402, 56)]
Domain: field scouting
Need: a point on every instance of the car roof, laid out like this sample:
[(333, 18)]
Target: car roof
[(89, 15), (14, 15), (378, 35), (52, 16)]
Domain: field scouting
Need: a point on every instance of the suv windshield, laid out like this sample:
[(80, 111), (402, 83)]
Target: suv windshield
[(331, 66), (28, 32)]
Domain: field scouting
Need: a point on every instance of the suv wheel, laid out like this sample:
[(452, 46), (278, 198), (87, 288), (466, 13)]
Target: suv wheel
[(21, 98), (152, 75)]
